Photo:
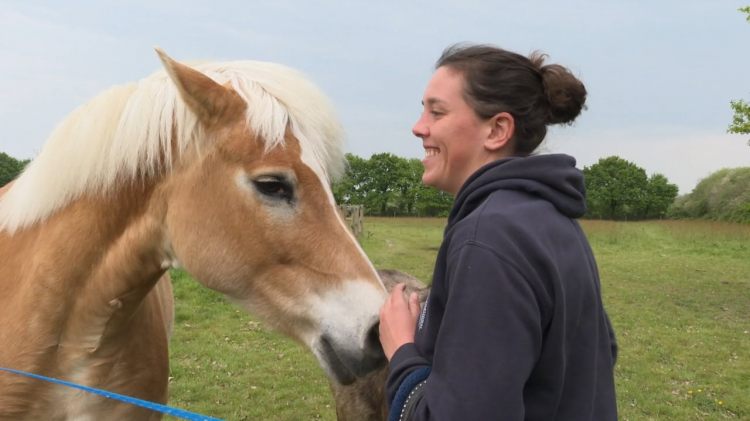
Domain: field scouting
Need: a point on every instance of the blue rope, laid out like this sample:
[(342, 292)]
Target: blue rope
[(127, 399)]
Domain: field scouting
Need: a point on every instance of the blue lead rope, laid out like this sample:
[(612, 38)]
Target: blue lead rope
[(127, 399)]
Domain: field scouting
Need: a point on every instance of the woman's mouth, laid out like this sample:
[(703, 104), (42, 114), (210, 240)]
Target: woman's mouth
[(430, 152)]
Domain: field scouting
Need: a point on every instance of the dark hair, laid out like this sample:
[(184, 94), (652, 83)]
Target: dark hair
[(535, 94)]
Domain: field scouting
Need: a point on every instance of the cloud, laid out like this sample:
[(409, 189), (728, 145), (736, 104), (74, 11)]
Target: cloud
[(657, 72)]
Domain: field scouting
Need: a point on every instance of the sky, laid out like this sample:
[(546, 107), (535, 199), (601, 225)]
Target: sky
[(660, 74)]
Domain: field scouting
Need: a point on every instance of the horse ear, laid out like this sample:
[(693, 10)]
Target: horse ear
[(210, 101)]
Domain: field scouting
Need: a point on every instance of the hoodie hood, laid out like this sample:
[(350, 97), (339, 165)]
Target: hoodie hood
[(552, 177)]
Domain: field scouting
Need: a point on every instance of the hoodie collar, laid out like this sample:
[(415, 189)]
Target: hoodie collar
[(552, 177)]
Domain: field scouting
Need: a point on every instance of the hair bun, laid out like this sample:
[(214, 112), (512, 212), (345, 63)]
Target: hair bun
[(564, 92)]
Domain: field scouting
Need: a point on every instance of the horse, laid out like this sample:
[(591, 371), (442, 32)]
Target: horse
[(5, 188), (220, 168), (364, 399)]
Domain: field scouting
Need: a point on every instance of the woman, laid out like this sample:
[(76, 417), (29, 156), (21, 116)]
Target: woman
[(514, 327)]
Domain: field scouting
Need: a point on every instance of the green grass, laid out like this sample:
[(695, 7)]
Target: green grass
[(226, 364), (677, 292), (678, 296)]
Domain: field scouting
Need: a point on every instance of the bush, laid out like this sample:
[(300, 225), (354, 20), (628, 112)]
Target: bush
[(722, 196)]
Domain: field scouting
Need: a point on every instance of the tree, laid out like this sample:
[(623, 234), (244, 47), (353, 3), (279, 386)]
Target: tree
[(377, 183), (660, 194), (385, 179), (390, 185), (410, 186), (431, 201), (619, 189), (347, 190), (614, 188), (10, 168), (741, 120)]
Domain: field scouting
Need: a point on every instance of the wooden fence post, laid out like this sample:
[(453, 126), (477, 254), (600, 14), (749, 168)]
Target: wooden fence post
[(354, 216)]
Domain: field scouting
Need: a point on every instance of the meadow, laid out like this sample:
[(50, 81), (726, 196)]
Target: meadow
[(678, 294)]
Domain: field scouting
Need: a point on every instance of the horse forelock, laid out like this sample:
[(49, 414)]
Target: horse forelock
[(134, 130)]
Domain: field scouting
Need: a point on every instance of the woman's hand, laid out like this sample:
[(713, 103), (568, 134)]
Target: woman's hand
[(398, 320)]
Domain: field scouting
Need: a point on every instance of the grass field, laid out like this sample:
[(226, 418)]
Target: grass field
[(678, 294)]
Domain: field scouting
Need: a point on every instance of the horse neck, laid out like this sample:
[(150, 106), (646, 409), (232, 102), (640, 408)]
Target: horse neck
[(90, 266)]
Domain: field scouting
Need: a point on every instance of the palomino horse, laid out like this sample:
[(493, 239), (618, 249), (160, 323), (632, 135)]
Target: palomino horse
[(223, 169), (364, 400)]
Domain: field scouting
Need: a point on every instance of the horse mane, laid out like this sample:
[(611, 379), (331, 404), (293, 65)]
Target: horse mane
[(126, 132)]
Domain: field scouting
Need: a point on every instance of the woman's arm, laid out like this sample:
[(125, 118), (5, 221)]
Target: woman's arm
[(487, 346)]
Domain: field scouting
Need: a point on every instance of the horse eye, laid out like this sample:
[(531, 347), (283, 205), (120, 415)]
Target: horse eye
[(271, 187), (275, 187)]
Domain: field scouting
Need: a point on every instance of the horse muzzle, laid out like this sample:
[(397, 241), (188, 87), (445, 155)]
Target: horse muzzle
[(344, 364)]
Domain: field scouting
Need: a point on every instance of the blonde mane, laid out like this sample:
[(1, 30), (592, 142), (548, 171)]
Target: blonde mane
[(126, 132)]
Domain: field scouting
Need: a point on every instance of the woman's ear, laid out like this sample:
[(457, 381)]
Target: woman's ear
[(502, 128)]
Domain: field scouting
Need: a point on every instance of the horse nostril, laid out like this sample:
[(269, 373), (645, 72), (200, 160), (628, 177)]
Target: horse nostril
[(373, 336), (373, 347)]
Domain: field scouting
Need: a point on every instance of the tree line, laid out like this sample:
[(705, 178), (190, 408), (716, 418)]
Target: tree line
[(390, 185), (10, 168), (386, 184), (618, 189)]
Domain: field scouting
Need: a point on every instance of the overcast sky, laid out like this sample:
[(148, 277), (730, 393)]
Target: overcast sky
[(660, 74)]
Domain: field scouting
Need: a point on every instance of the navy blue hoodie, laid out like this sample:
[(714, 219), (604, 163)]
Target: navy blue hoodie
[(514, 327)]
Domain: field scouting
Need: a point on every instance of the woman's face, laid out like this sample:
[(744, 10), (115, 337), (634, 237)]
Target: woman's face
[(452, 134)]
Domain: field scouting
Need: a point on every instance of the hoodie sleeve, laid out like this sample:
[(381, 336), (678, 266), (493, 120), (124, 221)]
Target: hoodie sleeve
[(489, 340)]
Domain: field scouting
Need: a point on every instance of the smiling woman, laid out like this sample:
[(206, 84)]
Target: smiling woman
[(514, 326), (222, 169)]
